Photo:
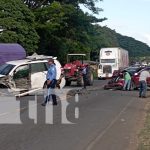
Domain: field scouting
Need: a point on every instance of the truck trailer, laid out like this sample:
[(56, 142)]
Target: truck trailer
[(112, 59)]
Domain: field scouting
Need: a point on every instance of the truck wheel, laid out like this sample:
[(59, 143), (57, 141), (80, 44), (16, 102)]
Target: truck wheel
[(68, 83)]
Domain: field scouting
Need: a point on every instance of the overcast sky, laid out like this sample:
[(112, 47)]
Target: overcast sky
[(128, 17)]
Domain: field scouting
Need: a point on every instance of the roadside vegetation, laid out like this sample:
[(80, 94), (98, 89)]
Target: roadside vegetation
[(58, 27), (144, 136)]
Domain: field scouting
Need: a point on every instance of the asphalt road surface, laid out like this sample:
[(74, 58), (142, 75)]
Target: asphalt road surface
[(98, 120)]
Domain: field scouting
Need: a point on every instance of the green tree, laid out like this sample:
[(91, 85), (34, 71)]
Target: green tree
[(136, 48), (90, 4), (63, 29), (17, 25), (101, 37)]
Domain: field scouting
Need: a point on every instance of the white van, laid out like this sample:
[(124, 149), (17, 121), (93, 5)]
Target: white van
[(27, 75)]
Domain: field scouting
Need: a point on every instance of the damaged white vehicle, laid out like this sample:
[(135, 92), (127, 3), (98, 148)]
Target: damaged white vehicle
[(28, 75)]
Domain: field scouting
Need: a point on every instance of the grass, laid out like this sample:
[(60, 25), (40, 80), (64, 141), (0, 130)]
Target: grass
[(144, 136)]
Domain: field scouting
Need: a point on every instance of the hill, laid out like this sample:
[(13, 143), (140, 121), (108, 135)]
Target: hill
[(110, 38)]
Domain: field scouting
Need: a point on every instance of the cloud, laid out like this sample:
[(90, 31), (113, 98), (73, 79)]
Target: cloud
[(127, 29), (147, 38), (143, 37)]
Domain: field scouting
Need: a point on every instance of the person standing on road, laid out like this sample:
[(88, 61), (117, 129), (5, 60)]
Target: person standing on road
[(143, 83), (127, 79), (84, 74), (51, 82)]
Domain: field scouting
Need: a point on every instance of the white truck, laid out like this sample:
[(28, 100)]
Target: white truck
[(112, 59)]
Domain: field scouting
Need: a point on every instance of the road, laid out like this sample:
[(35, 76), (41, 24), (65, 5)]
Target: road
[(107, 120)]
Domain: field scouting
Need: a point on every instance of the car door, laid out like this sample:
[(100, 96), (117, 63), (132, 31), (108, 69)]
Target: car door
[(38, 74), (21, 77)]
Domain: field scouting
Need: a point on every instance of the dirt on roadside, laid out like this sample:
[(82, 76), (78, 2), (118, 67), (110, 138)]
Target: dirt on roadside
[(137, 137)]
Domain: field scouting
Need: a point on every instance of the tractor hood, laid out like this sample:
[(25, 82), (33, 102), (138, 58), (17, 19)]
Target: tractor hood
[(68, 66)]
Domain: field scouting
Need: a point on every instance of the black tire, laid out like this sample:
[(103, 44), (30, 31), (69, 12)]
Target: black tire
[(90, 79), (90, 76), (68, 83), (80, 81), (45, 85), (133, 86), (118, 88), (105, 87), (4, 90)]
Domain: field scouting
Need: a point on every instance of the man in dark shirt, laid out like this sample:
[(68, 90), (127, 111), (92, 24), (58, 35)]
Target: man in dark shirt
[(84, 73)]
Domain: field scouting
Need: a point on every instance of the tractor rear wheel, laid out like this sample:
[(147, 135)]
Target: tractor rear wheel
[(80, 81), (90, 79), (90, 76), (68, 83)]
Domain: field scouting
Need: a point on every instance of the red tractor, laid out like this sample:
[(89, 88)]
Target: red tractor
[(73, 70)]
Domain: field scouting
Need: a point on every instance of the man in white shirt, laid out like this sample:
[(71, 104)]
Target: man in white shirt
[(143, 83)]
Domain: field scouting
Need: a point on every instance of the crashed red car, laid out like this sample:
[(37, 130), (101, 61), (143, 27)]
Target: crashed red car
[(117, 81), (135, 79)]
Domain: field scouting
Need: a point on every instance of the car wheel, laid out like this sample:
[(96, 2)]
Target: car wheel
[(133, 86), (4, 90)]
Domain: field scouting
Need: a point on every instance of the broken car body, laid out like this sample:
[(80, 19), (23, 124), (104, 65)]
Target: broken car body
[(26, 75)]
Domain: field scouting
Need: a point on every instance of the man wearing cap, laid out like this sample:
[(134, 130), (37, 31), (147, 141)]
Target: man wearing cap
[(51, 82)]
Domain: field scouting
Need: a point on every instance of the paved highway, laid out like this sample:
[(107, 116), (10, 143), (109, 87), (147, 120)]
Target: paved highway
[(107, 120)]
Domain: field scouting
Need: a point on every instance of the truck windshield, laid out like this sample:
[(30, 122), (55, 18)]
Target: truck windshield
[(6, 68), (107, 60)]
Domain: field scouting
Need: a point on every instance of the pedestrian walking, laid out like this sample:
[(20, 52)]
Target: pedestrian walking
[(143, 83), (127, 81), (50, 83)]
